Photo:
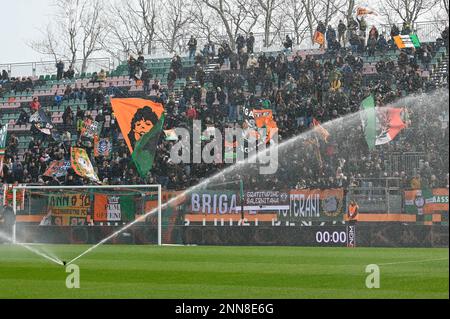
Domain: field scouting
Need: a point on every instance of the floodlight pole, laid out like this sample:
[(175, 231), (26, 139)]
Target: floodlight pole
[(159, 216), (15, 214)]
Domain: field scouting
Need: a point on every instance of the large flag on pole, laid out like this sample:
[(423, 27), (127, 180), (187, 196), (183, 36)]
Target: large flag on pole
[(3, 133), (141, 122), (390, 121), (82, 164), (381, 124)]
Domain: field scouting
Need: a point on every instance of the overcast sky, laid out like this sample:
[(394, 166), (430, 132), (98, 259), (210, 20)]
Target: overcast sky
[(20, 21)]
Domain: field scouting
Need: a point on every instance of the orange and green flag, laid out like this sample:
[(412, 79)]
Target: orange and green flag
[(141, 122), (319, 38)]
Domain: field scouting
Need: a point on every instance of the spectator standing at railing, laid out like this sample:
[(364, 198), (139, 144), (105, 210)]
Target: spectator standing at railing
[(406, 28), (394, 31), (132, 65), (330, 36), (250, 43), (444, 36), (5, 76), (287, 44), (362, 26), (341, 33), (192, 46), (59, 70), (240, 43), (140, 61)]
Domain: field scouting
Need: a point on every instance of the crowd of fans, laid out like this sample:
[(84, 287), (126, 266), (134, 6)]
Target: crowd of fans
[(297, 88)]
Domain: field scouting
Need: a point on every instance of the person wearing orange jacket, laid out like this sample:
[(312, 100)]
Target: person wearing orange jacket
[(353, 210)]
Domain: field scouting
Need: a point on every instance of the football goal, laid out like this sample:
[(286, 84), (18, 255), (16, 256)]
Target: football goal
[(87, 214)]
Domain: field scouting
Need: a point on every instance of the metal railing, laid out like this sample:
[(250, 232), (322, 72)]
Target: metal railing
[(38, 68), (408, 162), (377, 195), (427, 31)]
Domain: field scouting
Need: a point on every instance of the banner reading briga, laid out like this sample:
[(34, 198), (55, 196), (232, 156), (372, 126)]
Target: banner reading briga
[(314, 205)]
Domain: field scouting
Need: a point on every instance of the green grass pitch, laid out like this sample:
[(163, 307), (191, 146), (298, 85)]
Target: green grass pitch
[(225, 272)]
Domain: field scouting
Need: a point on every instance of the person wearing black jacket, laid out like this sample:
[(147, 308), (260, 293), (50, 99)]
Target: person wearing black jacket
[(145, 77), (192, 46), (250, 43), (287, 43), (341, 33), (59, 70), (240, 43), (394, 31)]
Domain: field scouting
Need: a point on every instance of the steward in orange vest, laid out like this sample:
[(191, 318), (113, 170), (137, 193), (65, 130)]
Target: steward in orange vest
[(353, 210)]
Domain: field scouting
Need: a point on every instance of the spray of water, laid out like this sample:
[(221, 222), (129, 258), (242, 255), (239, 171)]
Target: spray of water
[(207, 181), (419, 102), (49, 257)]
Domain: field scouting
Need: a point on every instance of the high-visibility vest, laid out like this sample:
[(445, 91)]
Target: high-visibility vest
[(353, 212)]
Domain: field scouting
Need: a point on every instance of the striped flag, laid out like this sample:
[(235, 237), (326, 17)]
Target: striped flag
[(407, 41)]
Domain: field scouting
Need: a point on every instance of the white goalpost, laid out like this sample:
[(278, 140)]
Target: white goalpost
[(154, 187)]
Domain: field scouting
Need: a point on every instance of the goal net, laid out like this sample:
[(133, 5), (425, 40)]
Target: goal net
[(88, 214)]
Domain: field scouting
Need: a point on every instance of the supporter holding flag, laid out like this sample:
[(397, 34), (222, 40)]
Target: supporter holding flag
[(319, 37)]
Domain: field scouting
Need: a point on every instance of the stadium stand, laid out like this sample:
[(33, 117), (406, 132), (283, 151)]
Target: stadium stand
[(213, 87)]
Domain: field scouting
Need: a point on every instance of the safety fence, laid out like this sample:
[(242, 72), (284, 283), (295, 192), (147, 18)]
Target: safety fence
[(229, 207)]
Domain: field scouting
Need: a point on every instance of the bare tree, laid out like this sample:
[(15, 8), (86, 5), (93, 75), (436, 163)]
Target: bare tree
[(205, 23), (77, 31), (132, 27), (294, 11), (234, 15), (93, 31), (350, 9), (267, 8), (407, 10), (177, 18), (321, 10), (48, 45)]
